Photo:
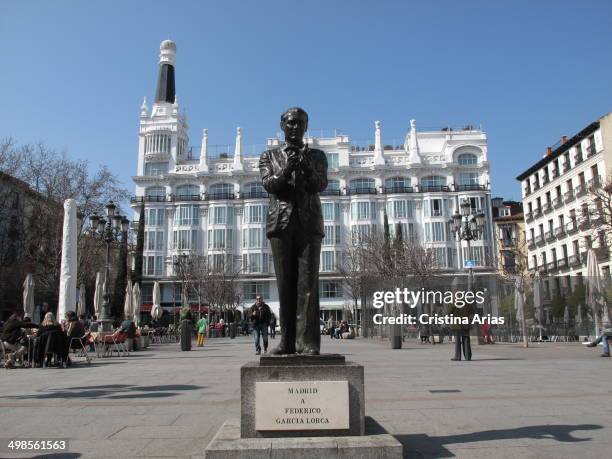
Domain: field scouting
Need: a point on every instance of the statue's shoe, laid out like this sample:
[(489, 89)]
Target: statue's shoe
[(282, 350), (310, 351)]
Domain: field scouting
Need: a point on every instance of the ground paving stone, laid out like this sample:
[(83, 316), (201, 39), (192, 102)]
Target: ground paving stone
[(552, 400)]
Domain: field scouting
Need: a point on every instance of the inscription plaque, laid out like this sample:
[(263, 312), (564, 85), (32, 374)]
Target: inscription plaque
[(302, 405)]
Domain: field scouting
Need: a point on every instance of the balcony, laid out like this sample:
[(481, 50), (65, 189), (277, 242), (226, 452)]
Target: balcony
[(551, 266), (562, 263), (527, 191), (330, 193), (472, 187), (508, 243), (531, 244), (569, 196), (559, 232), (542, 269), (134, 199), (539, 240), (594, 183), (362, 191), (547, 207), (591, 150), (260, 194), (433, 188), (566, 166), (536, 186), (220, 196), (537, 213), (578, 158), (528, 217), (557, 202), (549, 236), (602, 253), (555, 173), (545, 180), (571, 227), (584, 224), (581, 190), (398, 189), (583, 257), (186, 197), (574, 260)]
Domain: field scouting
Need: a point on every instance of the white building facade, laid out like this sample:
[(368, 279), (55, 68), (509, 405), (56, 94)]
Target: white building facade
[(214, 204), (556, 201)]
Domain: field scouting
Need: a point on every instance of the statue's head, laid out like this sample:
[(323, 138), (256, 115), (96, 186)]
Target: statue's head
[(294, 123)]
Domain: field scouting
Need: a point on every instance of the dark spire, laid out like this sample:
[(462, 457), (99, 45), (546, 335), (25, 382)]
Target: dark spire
[(165, 82)]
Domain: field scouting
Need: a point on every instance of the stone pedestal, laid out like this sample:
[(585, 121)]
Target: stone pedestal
[(297, 369), (302, 406)]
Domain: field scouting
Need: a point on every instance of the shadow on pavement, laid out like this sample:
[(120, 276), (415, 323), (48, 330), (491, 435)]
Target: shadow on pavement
[(424, 446), (110, 392)]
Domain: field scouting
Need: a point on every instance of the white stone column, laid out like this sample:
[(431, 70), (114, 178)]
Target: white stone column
[(204, 152), (238, 151), (68, 271)]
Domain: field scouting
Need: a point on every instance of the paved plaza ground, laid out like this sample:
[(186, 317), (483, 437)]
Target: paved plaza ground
[(549, 401)]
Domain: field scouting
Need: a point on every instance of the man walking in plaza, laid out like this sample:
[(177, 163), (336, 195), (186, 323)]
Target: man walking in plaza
[(260, 315), (202, 327)]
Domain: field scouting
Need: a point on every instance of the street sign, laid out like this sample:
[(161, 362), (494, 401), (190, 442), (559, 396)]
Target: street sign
[(469, 263)]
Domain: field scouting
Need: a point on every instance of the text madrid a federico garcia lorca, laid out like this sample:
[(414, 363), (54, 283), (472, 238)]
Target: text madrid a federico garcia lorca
[(458, 298)]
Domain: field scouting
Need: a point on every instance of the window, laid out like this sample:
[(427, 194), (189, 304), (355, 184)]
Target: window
[(467, 159), (220, 238), (332, 160), (331, 211), (434, 232), (435, 207), (362, 185), (332, 235), (158, 143), (331, 289), (432, 182), (146, 294), (255, 262), (361, 232), (406, 229), (185, 239), (221, 190), (253, 190), (254, 238), (328, 260), (363, 210), (397, 184), (399, 209), (154, 240), (439, 255), (333, 185), (469, 178), (477, 255), (155, 169), (187, 215), (152, 265), (252, 289), (156, 192), (256, 214), (221, 215), (188, 191), (154, 217)]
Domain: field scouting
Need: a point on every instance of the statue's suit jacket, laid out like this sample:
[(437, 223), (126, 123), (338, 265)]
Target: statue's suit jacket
[(299, 191)]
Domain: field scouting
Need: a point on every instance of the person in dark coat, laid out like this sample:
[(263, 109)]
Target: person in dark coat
[(12, 334), (186, 328), (260, 314), (461, 332), (51, 340)]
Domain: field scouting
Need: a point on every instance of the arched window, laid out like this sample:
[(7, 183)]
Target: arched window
[(467, 159), (333, 188), (221, 191), (433, 183), (188, 192), (156, 193), (362, 186), (254, 190), (397, 185)]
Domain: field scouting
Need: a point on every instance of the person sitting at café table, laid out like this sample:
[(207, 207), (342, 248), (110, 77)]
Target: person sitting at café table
[(12, 333), (52, 340)]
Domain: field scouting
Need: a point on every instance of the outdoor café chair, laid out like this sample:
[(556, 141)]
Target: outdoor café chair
[(78, 344)]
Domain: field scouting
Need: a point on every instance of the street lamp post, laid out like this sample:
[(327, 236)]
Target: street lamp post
[(468, 226), (113, 229)]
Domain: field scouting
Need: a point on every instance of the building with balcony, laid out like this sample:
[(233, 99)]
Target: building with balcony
[(557, 202), (209, 199), (509, 224)]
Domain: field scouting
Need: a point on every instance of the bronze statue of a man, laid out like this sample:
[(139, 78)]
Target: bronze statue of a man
[(294, 174)]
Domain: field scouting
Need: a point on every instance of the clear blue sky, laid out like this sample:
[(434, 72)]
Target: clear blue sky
[(73, 74)]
